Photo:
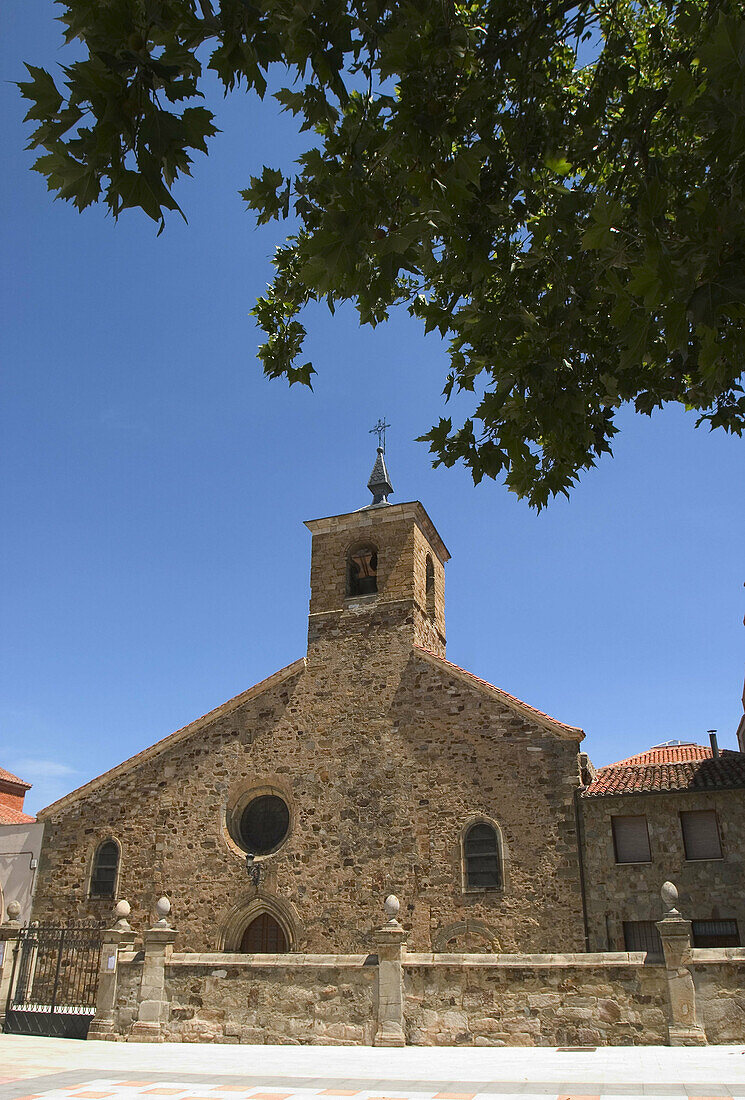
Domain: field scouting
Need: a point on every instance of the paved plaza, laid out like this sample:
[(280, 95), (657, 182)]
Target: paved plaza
[(68, 1069)]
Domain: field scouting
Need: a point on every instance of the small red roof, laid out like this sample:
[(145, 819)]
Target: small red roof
[(8, 777), (668, 754), (670, 768), (10, 816)]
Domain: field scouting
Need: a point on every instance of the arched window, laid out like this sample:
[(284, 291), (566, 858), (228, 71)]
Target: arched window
[(482, 857), (104, 870), (362, 571), (263, 936), (430, 587)]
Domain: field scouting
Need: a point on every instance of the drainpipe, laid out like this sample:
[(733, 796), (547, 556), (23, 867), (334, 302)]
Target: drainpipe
[(579, 826)]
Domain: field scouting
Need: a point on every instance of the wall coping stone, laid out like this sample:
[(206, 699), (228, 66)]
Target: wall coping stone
[(718, 955), (220, 960), (586, 961)]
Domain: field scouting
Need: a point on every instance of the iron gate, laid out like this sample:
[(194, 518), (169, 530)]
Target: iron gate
[(53, 990)]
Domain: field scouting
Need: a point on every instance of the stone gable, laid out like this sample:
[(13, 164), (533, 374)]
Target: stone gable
[(383, 757)]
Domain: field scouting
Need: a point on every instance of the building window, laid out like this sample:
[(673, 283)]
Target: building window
[(482, 857), (700, 834), (104, 870), (263, 824), (362, 571), (642, 935), (715, 933), (430, 587), (631, 839)]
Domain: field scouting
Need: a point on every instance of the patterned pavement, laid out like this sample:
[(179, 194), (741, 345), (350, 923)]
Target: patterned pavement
[(120, 1087), (67, 1069)]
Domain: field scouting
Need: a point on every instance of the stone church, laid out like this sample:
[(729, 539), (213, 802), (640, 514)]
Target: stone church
[(369, 766)]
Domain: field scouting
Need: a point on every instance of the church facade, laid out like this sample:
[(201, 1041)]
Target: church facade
[(373, 766), (370, 766)]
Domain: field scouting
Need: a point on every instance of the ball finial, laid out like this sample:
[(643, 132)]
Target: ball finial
[(13, 911), (391, 906), (122, 909), (669, 895), (162, 908)]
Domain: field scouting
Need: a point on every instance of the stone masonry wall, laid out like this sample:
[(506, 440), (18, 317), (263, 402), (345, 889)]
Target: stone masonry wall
[(709, 889), (524, 1001), (379, 797), (327, 1000), (128, 978), (454, 999), (402, 552), (384, 756), (719, 978)]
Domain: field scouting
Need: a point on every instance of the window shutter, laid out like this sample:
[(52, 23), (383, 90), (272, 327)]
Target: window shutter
[(631, 839), (701, 834)]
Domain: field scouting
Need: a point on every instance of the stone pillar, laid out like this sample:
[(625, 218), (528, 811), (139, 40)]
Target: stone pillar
[(9, 932), (390, 940), (675, 932), (103, 1025), (153, 1010)]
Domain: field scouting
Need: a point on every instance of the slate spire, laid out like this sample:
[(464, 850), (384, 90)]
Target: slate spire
[(379, 483)]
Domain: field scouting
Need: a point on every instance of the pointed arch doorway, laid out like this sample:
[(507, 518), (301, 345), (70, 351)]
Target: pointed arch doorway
[(263, 936)]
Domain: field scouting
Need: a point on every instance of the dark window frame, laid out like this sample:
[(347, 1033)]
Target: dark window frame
[(104, 877), (470, 858), (647, 938), (270, 844), (701, 859), (729, 929), (630, 862)]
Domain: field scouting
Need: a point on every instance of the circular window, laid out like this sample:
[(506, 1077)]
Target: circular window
[(264, 824)]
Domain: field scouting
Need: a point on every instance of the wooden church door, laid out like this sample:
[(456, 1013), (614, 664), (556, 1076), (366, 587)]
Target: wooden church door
[(263, 936)]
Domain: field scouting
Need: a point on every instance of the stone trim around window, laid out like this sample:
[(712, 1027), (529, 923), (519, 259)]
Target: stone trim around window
[(91, 865), (232, 810), (479, 891)]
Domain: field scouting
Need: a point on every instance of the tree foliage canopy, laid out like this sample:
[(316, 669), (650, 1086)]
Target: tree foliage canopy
[(556, 186)]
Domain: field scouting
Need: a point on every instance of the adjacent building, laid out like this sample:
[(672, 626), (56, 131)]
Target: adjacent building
[(674, 812), (20, 845)]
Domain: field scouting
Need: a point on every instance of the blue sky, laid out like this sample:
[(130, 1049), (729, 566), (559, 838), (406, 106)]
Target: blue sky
[(154, 484)]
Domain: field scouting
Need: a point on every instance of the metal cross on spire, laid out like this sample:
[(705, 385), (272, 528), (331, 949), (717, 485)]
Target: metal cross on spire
[(379, 430)]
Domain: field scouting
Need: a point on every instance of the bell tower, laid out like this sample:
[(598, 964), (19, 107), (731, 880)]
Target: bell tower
[(377, 575)]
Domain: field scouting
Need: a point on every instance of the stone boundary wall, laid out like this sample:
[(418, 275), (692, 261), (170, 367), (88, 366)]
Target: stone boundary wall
[(535, 1000), (288, 999), (395, 997), (599, 999), (719, 978)]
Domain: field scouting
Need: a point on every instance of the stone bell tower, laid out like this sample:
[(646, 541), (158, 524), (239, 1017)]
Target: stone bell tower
[(377, 576)]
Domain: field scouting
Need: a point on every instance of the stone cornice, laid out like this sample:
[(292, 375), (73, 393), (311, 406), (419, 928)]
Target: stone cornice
[(391, 513)]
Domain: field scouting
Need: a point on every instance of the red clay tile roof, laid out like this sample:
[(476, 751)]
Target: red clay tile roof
[(10, 816), (510, 700), (8, 777), (668, 754), (673, 768)]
